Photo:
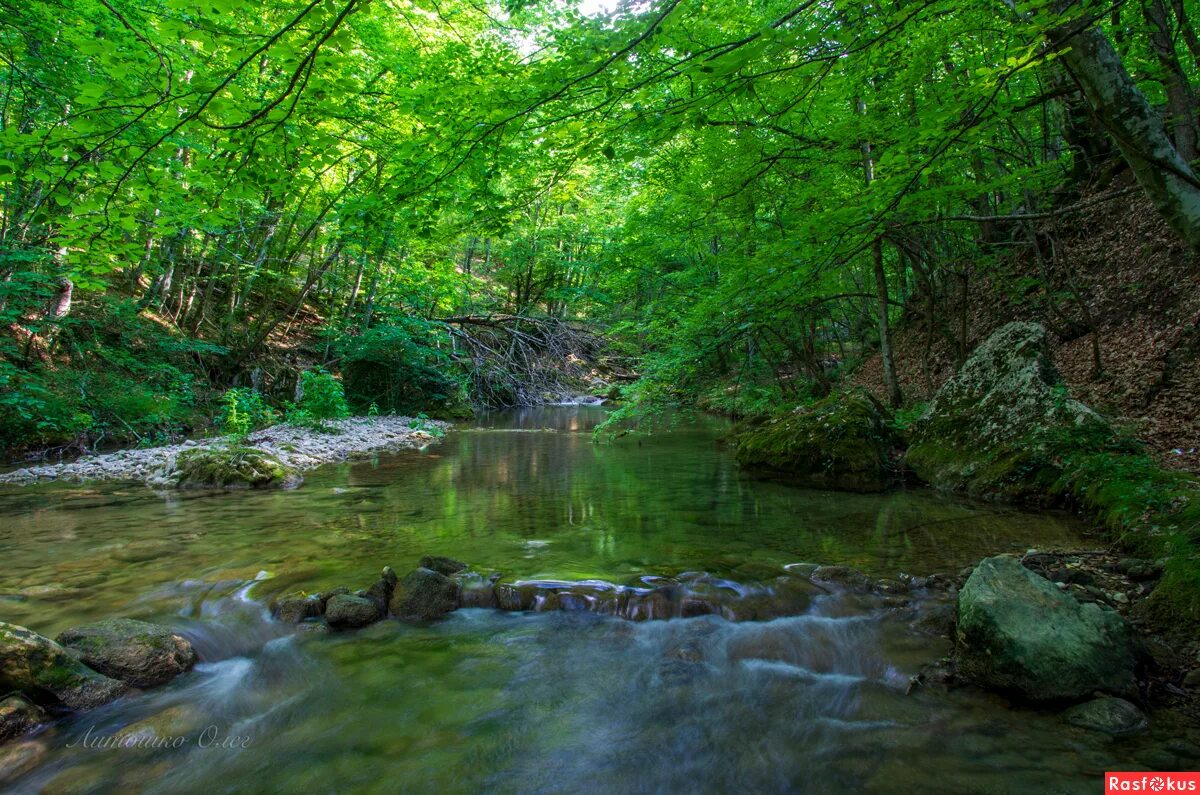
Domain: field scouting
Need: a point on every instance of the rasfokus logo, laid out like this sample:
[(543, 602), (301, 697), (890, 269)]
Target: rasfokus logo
[(1151, 782)]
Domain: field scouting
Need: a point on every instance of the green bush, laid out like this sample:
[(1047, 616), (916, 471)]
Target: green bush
[(322, 399), (244, 411)]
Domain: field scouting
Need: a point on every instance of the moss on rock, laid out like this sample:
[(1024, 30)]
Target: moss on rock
[(842, 442), (230, 467), (1002, 425)]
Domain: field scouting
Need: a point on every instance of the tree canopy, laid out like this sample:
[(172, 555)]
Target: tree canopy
[(729, 190)]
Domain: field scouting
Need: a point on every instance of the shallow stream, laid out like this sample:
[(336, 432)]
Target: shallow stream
[(535, 702)]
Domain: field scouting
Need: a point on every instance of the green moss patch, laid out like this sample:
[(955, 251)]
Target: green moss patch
[(230, 467), (842, 442)]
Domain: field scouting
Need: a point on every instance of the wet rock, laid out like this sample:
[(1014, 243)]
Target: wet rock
[(1192, 679), (994, 429), (841, 576), (424, 595), (843, 442), (325, 596), (1114, 716), (296, 608), (477, 592), (1017, 632), (381, 592), (18, 759), (176, 721), (515, 596), (37, 666), (348, 611), (230, 468), (18, 717), (135, 652), (654, 604), (442, 565), (935, 618)]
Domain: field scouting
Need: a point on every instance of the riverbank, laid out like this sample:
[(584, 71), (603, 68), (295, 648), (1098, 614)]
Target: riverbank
[(295, 447)]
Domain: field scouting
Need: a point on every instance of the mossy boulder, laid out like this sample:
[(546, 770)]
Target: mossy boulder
[(842, 442), (1002, 425), (135, 652), (41, 668), (424, 595), (1018, 633), (231, 468)]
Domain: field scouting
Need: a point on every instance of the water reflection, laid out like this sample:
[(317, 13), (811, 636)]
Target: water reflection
[(507, 494)]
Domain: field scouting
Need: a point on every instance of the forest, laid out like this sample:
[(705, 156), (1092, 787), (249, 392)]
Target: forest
[(888, 251)]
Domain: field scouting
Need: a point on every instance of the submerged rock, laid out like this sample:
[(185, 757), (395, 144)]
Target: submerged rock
[(230, 468), (1019, 633), (37, 666), (1114, 716), (424, 595), (135, 652), (442, 565), (19, 758), (996, 428), (843, 442), (18, 716), (347, 611)]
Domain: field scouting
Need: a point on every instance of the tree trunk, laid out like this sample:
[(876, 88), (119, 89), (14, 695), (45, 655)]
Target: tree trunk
[(895, 397), (1179, 92), (1123, 110)]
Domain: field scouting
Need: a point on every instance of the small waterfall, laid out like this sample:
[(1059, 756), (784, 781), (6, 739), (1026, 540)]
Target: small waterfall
[(688, 595)]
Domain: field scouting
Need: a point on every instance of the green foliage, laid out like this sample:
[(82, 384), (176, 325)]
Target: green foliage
[(244, 411), (421, 423), (398, 368), (322, 399)]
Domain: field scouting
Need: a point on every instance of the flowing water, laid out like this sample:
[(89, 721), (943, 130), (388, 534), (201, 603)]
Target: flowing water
[(487, 701)]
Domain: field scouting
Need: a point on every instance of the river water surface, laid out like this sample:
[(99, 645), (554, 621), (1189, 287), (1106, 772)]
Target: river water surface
[(534, 702)]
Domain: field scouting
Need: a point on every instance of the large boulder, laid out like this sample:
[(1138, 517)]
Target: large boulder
[(424, 595), (842, 442), (39, 667), (1000, 426), (136, 652), (230, 467), (1017, 632)]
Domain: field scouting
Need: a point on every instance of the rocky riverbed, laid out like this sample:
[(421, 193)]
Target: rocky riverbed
[(295, 447)]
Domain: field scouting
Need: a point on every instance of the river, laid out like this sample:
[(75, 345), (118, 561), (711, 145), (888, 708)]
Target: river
[(534, 702)]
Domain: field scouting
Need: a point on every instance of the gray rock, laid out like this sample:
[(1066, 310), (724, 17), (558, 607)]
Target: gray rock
[(37, 665), (135, 652), (1017, 632), (18, 716), (346, 611), (1114, 716), (424, 595), (993, 429)]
